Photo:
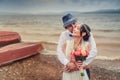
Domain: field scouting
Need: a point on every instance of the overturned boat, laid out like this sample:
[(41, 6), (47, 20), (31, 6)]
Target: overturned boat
[(18, 51), (9, 37)]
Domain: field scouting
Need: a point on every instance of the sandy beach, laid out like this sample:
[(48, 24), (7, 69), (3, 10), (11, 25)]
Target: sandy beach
[(47, 67)]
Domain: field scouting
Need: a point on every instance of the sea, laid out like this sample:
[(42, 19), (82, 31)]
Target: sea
[(46, 28)]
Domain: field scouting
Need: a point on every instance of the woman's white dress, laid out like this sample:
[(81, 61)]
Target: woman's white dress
[(75, 75)]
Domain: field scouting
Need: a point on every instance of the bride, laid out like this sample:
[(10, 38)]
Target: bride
[(80, 39)]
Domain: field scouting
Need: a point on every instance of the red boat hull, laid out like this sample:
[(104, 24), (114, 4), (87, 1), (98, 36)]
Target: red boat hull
[(7, 37), (18, 51)]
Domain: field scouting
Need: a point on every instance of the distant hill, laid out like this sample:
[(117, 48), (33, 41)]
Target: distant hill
[(106, 11), (97, 12), (72, 12), (11, 13)]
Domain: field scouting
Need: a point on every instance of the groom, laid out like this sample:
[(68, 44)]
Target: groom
[(69, 23)]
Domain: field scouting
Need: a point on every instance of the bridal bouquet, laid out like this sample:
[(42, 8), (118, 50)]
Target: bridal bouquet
[(80, 54)]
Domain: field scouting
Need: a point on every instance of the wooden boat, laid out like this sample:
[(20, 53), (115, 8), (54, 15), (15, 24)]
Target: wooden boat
[(18, 51), (8, 37)]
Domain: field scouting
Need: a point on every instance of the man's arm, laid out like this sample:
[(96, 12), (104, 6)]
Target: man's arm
[(60, 54), (93, 51)]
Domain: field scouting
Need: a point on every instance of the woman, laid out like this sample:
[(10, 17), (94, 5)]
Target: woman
[(80, 37)]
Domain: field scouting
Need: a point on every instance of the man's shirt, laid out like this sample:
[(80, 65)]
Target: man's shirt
[(66, 35)]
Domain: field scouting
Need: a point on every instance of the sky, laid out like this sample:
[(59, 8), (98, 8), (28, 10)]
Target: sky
[(56, 6)]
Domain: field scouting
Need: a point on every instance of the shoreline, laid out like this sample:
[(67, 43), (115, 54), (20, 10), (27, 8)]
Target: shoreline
[(105, 51), (107, 42)]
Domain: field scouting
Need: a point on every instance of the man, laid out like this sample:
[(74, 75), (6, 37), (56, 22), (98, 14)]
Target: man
[(69, 23)]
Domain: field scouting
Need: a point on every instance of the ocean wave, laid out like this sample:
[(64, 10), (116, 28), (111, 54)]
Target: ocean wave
[(108, 58), (107, 36), (49, 43), (107, 30), (50, 46), (109, 44)]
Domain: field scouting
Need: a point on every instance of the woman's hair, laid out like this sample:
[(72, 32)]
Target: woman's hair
[(85, 28)]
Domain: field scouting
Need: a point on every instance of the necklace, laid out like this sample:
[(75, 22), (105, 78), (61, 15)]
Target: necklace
[(77, 45)]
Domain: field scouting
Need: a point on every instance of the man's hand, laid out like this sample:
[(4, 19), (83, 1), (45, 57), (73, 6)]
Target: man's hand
[(73, 66), (87, 66), (70, 67)]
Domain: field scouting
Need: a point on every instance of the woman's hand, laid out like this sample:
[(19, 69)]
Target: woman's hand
[(79, 64)]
